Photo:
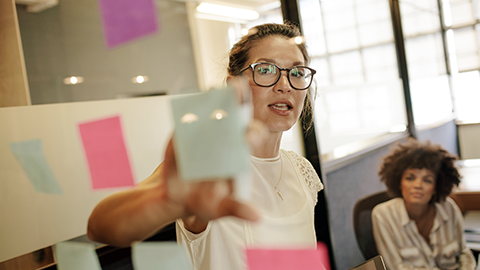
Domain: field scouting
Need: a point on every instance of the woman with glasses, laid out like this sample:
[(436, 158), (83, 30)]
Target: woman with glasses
[(215, 228)]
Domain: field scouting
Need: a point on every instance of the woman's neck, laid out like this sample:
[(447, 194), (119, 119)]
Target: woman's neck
[(270, 148), (418, 212), (424, 216)]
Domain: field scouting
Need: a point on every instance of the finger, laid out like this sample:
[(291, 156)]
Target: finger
[(231, 207), (170, 165), (205, 198)]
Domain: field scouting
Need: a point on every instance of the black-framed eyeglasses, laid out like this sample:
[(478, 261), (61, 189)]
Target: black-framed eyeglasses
[(268, 74)]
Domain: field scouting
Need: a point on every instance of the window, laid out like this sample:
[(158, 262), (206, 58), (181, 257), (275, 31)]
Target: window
[(461, 21), (427, 69), (359, 95)]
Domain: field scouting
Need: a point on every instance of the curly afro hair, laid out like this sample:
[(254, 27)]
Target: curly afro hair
[(417, 155)]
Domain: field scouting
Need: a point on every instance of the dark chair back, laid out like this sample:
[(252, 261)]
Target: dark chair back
[(362, 222)]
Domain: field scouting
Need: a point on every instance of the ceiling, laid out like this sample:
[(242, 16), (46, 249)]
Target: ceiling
[(252, 4), (40, 5)]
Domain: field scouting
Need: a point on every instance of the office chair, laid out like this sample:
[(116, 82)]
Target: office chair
[(362, 222)]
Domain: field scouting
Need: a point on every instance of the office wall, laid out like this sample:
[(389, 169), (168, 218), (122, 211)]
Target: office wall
[(469, 141), (344, 186), (211, 46), (445, 135), (67, 40)]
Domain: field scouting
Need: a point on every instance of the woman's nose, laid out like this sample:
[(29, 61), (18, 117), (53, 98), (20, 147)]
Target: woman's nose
[(417, 183), (283, 84)]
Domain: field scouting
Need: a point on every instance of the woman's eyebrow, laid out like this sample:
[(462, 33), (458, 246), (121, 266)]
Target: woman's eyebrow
[(265, 60), (298, 63)]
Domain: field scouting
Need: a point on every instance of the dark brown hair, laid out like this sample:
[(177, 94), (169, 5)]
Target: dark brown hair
[(240, 52), (416, 155)]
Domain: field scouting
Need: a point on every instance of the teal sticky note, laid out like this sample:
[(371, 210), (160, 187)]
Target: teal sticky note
[(72, 255), (159, 255), (209, 135), (31, 157)]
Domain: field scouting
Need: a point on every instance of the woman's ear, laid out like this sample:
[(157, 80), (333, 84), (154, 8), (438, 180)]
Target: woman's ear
[(229, 77)]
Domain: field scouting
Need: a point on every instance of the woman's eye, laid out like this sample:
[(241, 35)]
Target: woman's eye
[(297, 73), (265, 70)]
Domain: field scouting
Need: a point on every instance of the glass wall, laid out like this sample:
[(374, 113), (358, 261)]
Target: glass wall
[(427, 69), (184, 54), (359, 93), (67, 41), (461, 22)]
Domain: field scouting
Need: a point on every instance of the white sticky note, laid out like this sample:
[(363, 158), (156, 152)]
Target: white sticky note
[(159, 255), (72, 255)]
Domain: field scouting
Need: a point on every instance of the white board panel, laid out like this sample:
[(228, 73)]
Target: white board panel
[(32, 220)]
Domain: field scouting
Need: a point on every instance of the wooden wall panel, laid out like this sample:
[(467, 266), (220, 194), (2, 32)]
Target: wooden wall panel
[(13, 78)]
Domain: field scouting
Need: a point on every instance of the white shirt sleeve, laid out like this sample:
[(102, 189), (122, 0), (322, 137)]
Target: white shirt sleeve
[(309, 174)]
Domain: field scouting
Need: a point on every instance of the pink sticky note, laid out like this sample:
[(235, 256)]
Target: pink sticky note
[(283, 259), (323, 253), (106, 153), (125, 20)]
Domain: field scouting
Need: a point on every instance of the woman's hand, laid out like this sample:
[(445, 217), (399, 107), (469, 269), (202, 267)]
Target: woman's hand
[(210, 199), (202, 201)]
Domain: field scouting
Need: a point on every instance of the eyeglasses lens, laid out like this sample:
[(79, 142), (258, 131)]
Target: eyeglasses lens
[(267, 74)]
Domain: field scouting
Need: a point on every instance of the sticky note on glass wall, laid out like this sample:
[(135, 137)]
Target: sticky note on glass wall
[(72, 255), (209, 135), (283, 259), (126, 20), (32, 158), (106, 153), (159, 255)]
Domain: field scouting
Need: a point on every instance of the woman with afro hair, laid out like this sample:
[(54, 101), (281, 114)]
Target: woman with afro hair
[(421, 227)]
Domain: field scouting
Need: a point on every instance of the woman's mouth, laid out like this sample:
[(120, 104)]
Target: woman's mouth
[(417, 194), (280, 106)]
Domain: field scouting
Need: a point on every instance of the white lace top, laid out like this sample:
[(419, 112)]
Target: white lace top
[(286, 220), (308, 172)]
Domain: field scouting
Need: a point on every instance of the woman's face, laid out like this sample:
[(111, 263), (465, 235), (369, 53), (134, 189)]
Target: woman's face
[(278, 106), (418, 186)]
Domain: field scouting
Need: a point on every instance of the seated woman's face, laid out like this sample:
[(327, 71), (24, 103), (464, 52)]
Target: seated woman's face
[(418, 186)]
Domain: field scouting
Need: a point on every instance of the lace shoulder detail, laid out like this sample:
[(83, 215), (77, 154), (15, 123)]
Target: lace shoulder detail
[(308, 173)]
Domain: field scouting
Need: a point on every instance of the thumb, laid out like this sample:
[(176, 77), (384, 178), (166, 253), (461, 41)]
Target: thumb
[(170, 164)]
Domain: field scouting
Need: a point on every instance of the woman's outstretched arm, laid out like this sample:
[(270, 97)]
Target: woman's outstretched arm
[(138, 213), (134, 214)]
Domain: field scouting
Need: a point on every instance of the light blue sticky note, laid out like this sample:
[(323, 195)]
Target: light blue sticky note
[(209, 135), (32, 159), (72, 255), (159, 255)]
